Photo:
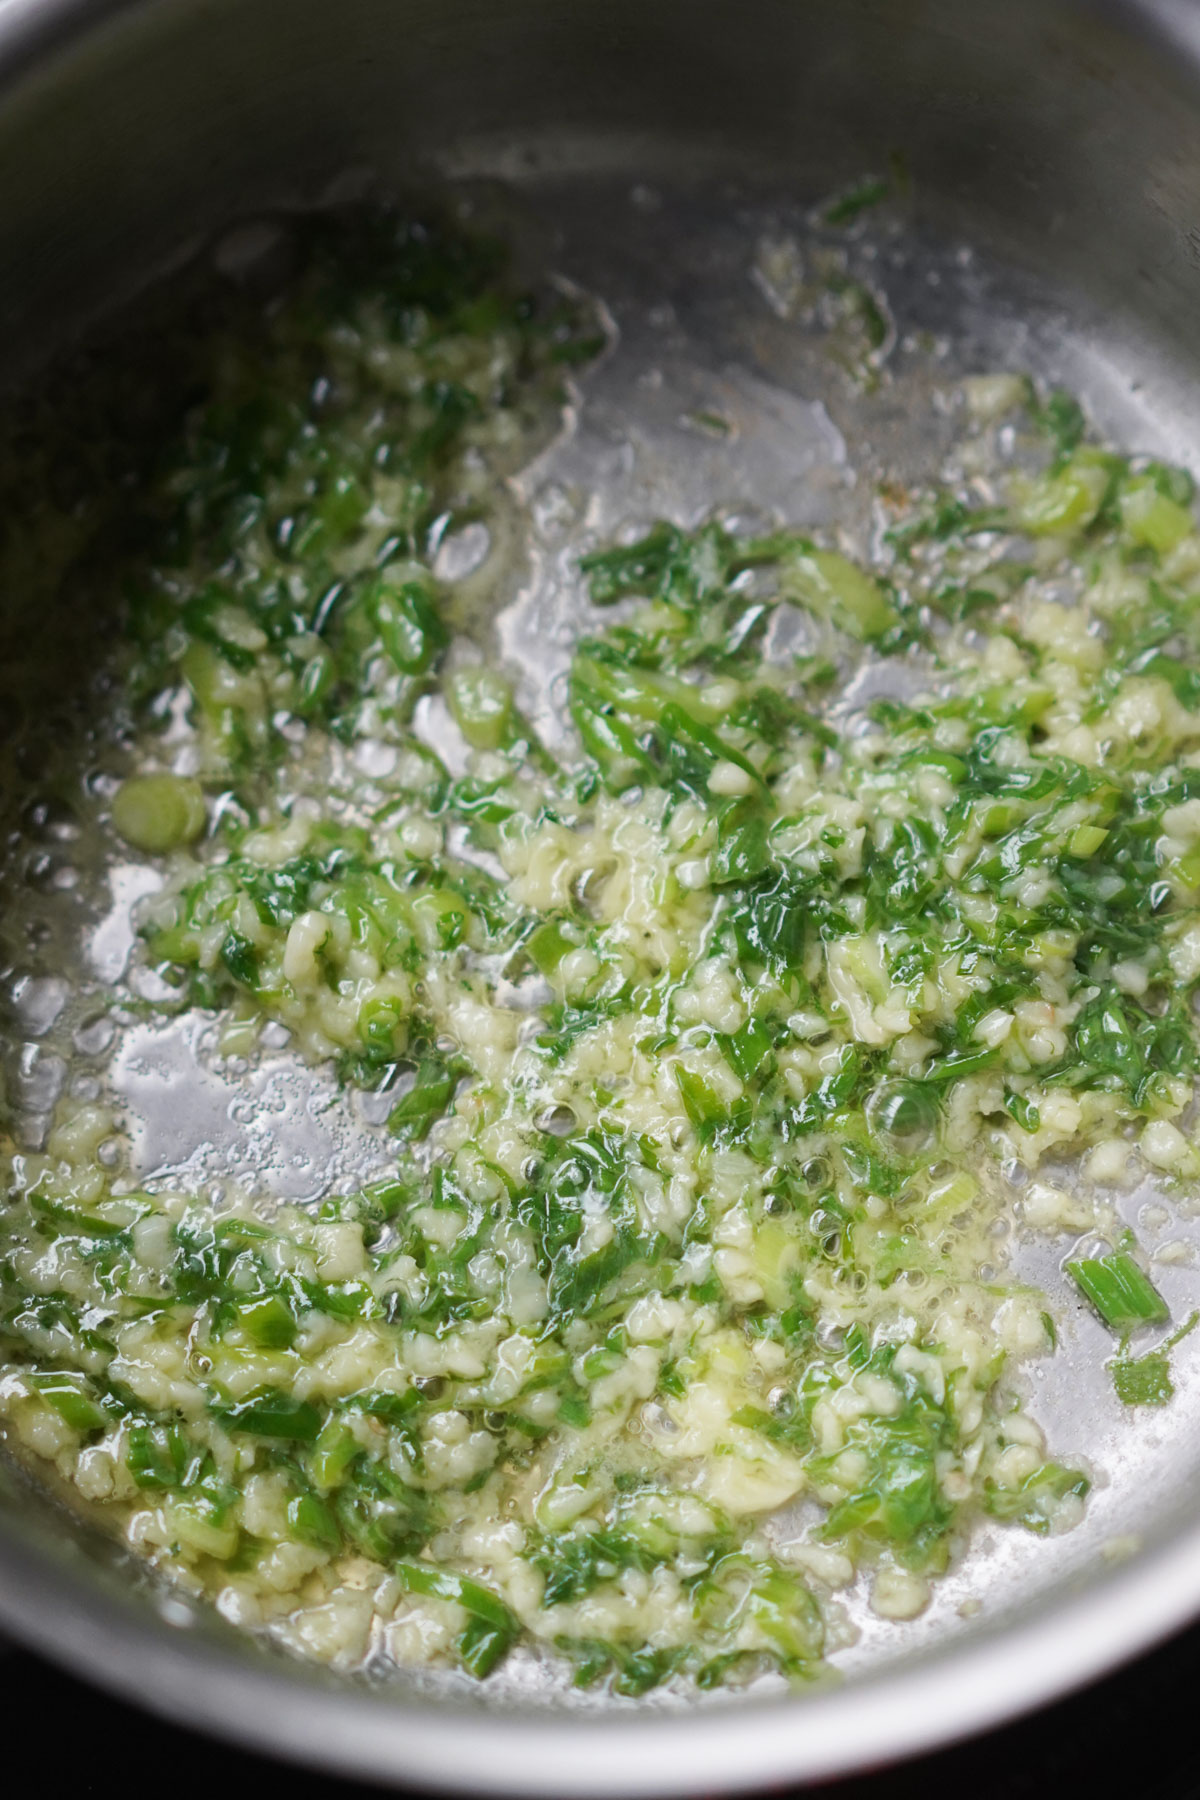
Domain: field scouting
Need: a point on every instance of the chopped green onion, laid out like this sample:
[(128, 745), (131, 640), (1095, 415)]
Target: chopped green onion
[(493, 1627), (272, 1414), (71, 1401), (1121, 1292), (831, 586), (481, 702), (157, 813)]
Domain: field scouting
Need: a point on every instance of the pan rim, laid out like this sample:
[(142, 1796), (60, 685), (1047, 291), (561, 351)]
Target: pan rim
[(918, 1703)]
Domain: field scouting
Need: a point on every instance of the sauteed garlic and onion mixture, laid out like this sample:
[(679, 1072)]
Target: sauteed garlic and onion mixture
[(719, 1040)]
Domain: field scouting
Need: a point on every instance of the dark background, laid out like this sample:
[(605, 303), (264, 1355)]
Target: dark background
[(1135, 1735)]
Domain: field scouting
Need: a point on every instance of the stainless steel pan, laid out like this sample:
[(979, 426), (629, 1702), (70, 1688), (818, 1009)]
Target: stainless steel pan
[(652, 144)]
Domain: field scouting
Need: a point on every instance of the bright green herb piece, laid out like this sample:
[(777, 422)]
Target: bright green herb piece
[(481, 701), (274, 1415), (157, 1455), (406, 616), (425, 1101), (267, 1322), (703, 1106), (832, 587), (313, 1522), (742, 849), (493, 1628), (332, 1453), (71, 1401), (1086, 840), (1021, 1108), (1121, 1292), (1153, 518), (1066, 500), (157, 813), (1035, 1503), (548, 944)]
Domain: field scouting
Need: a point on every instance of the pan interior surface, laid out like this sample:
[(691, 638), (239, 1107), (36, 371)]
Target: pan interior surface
[(693, 272)]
